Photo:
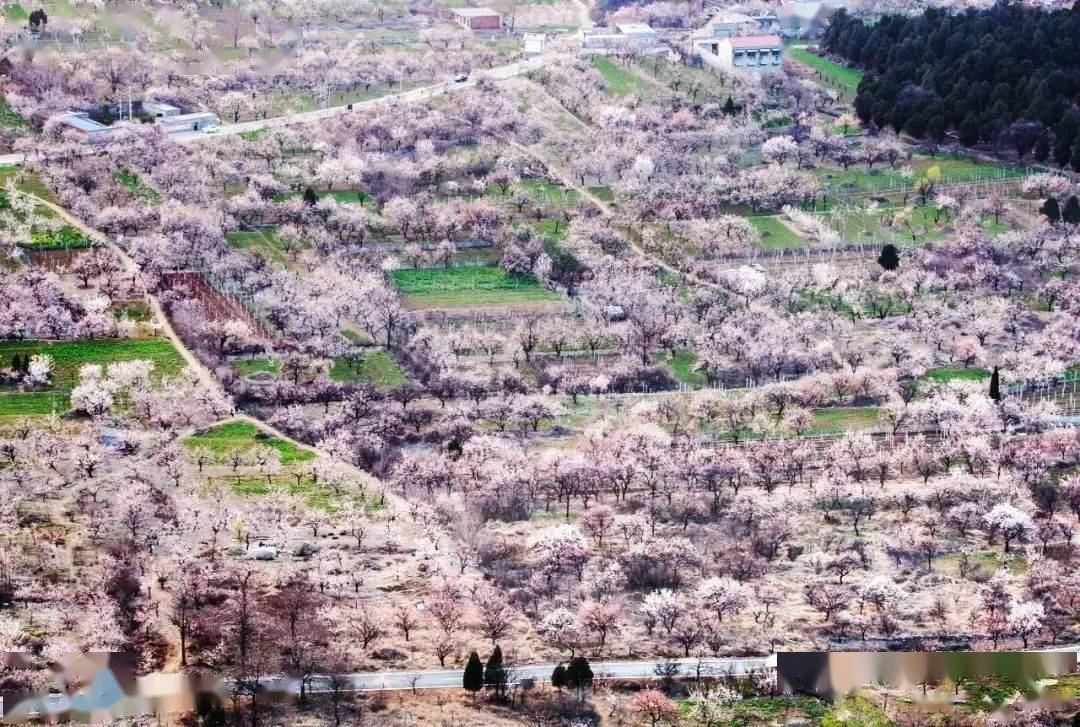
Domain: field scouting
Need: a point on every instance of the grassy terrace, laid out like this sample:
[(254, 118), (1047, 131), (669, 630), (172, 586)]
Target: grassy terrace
[(954, 168), (472, 286), (378, 367), (264, 240), (28, 183), (69, 357), (835, 73), (344, 196), (945, 374), (245, 436), (682, 368), (137, 186), (774, 233), (837, 420), (316, 494), (621, 82)]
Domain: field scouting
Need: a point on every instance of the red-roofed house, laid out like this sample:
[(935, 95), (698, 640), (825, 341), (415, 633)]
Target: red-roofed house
[(747, 53)]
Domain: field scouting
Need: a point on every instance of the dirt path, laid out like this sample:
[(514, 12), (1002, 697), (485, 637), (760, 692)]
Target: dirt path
[(160, 318), (398, 507)]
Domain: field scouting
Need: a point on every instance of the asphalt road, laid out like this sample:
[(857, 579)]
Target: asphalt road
[(416, 94), (442, 678)]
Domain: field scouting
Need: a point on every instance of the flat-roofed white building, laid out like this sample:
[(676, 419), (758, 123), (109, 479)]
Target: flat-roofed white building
[(160, 110), (638, 31), (745, 53), (184, 123), (637, 37), (81, 123), (533, 44), (478, 18)]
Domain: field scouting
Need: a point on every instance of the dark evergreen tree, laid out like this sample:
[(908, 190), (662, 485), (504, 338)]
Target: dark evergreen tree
[(995, 385), (495, 673), (729, 106), (473, 680), (889, 257), (1051, 211), (311, 197), (38, 19), (578, 673), (975, 72), (1071, 213), (558, 676)]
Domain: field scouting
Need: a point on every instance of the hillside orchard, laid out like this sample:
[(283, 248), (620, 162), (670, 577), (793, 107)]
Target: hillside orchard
[(625, 360)]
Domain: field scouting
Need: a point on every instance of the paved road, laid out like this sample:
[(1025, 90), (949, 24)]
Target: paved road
[(443, 678), (416, 94), (499, 74)]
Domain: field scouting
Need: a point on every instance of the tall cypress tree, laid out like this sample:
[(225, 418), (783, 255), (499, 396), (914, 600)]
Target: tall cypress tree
[(495, 672), (473, 679), (558, 676), (311, 197), (995, 385)]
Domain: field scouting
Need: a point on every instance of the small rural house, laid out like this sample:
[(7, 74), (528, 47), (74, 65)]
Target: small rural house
[(81, 123), (638, 37), (745, 53), (160, 110), (183, 123), (478, 18), (533, 44)]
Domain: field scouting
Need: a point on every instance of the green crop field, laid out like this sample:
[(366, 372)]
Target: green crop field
[(245, 436), (345, 196), (682, 368), (847, 77), (621, 82), (28, 183), (378, 367), (944, 374), (454, 287), (38, 403), (138, 187), (839, 419), (542, 191), (69, 356), (17, 13), (954, 168), (264, 240), (774, 234)]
